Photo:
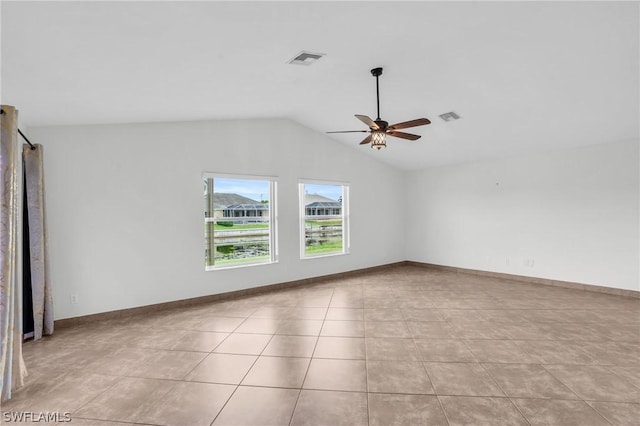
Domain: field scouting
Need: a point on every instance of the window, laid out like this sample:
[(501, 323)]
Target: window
[(324, 213), (239, 221)]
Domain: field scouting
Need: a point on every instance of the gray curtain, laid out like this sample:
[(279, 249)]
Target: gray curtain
[(40, 286), (12, 369)]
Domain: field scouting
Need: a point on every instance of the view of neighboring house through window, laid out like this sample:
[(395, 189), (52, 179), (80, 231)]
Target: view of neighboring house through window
[(324, 213), (239, 219)]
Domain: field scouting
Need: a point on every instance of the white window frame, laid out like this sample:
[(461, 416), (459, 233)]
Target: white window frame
[(346, 239), (273, 218)]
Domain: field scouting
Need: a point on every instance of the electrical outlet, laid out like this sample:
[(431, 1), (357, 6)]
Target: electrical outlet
[(507, 261), (74, 299), (528, 263)]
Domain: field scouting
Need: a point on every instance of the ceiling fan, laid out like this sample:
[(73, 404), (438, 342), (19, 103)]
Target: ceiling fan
[(379, 128)]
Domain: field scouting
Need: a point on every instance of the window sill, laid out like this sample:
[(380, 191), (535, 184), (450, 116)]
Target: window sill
[(316, 256), (248, 265)]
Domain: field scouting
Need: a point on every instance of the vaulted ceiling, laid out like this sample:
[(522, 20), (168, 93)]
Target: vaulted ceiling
[(524, 76)]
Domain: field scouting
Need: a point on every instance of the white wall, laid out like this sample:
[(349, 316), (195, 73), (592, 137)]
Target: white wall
[(125, 207), (124, 210), (574, 213)]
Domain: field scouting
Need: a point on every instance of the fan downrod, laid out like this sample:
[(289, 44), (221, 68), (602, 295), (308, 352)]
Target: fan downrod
[(377, 72)]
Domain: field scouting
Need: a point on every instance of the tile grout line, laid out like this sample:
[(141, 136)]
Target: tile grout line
[(366, 368), (252, 365), (572, 390), (526, 419), (295, 406), (243, 377), (424, 367), (115, 382), (599, 413), (213, 349)]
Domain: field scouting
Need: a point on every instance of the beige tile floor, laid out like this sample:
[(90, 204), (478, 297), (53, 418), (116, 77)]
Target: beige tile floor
[(407, 346)]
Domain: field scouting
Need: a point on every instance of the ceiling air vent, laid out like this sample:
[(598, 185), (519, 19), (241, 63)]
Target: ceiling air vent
[(306, 58), (449, 116)]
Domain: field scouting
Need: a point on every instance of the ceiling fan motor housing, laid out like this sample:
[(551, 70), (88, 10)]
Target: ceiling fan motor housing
[(382, 125)]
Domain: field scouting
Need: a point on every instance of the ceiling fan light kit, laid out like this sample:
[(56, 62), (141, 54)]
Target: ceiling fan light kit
[(379, 129), (378, 140)]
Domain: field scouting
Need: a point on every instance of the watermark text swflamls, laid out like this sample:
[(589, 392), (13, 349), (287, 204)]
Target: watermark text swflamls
[(36, 417)]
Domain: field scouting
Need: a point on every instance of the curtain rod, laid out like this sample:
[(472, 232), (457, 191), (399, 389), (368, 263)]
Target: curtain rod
[(22, 134)]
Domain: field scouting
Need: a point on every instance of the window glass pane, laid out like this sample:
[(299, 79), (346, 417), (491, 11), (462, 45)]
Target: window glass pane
[(323, 219), (238, 223)]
